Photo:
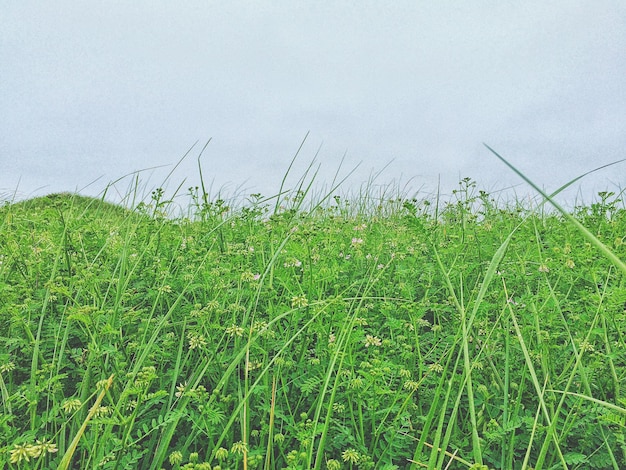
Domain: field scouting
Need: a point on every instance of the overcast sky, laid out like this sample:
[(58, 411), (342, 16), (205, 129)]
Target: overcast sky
[(93, 90)]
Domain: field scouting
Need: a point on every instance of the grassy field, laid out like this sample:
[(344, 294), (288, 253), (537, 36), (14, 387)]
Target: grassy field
[(346, 333)]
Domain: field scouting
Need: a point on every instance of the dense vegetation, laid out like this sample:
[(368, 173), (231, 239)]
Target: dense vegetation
[(372, 333)]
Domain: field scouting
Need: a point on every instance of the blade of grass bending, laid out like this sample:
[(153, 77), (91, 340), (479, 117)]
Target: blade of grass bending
[(581, 228), (606, 404), (67, 457)]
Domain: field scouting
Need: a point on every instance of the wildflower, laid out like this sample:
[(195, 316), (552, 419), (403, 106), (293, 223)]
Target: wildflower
[(145, 376), (543, 268), (22, 452), (8, 367), (176, 457), (570, 263), (355, 383), (333, 464), (586, 346), (180, 390), (279, 438), (102, 411), (292, 458), (372, 341), (299, 301), (196, 341), (411, 385), (239, 447), (356, 242), (261, 327), (253, 365), (436, 367), (165, 289), (360, 227), (247, 276), (339, 407), (69, 406), (235, 330), (193, 457), (45, 447), (293, 263), (332, 338), (101, 384), (350, 455), (221, 454)]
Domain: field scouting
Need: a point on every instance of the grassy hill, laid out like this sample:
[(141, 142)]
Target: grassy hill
[(69, 202)]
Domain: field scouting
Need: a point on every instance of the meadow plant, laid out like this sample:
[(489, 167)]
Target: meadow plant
[(312, 330)]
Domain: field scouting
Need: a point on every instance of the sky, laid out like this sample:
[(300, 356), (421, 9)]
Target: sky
[(404, 93)]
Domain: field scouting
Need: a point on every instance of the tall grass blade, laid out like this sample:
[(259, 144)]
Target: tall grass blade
[(581, 228)]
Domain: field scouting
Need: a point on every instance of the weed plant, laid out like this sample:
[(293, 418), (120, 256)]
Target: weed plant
[(376, 333)]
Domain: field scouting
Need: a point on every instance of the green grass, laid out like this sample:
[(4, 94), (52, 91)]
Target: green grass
[(312, 331)]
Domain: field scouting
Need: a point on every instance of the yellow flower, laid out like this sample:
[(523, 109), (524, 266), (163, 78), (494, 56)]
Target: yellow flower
[(221, 454), (7, 367), (69, 406), (372, 341), (333, 464), (299, 301), (435, 367), (350, 455), (239, 448), (23, 452), (235, 330), (196, 340), (176, 457), (45, 447), (411, 385)]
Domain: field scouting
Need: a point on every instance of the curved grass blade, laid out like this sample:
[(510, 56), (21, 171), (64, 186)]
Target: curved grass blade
[(581, 228)]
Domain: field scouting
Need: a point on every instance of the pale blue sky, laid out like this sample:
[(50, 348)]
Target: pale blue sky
[(100, 89)]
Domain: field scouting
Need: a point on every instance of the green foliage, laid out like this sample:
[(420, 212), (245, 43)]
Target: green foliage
[(403, 334)]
